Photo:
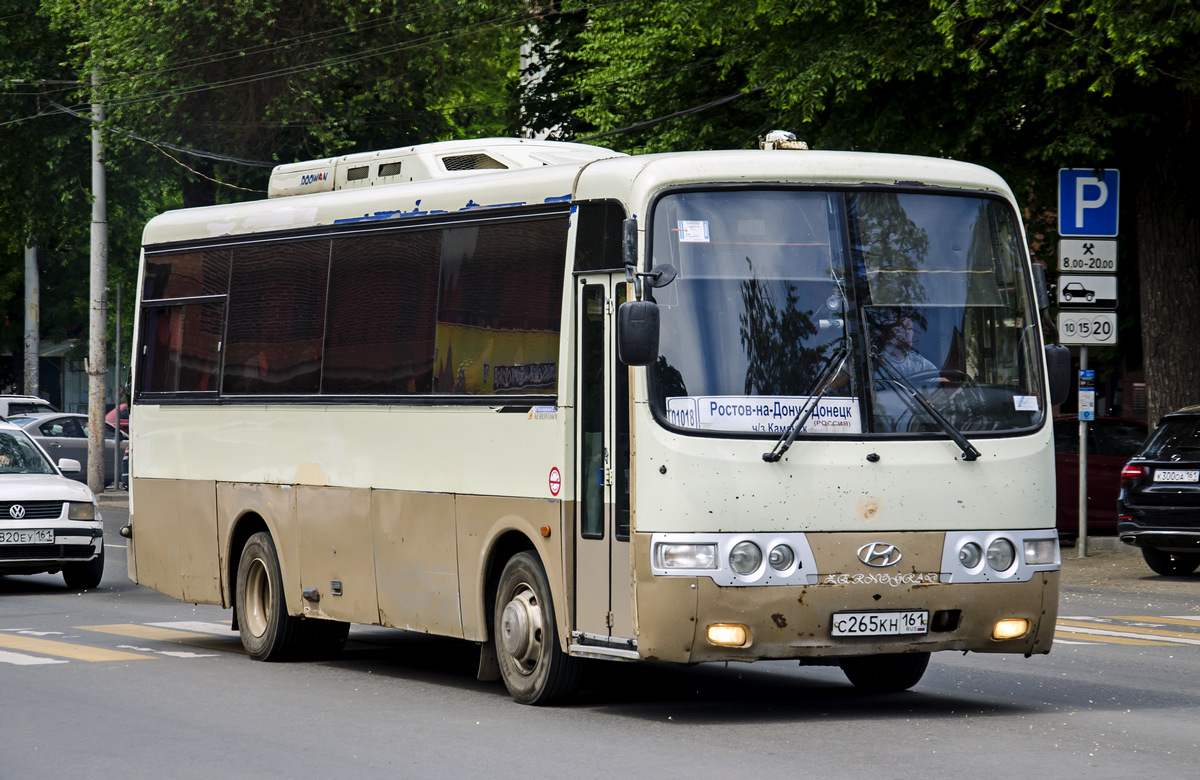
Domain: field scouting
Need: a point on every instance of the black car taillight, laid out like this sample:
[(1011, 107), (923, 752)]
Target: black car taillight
[(1131, 474)]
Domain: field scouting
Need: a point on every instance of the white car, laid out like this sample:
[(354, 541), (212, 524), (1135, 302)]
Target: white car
[(48, 523)]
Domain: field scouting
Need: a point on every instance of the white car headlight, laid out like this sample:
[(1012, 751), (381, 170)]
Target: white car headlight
[(78, 510)]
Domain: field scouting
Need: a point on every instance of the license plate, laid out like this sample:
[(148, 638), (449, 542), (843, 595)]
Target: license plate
[(1176, 475), (885, 623), (28, 536)]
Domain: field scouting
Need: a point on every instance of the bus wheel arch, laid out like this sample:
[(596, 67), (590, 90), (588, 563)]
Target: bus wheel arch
[(246, 526), (524, 634)]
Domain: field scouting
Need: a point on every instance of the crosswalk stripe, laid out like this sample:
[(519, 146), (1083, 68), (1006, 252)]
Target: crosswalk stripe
[(1108, 629), (67, 649), (230, 642), (20, 659), (1116, 640), (1174, 621)]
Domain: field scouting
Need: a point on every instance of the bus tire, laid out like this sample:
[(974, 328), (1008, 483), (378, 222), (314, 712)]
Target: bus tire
[(533, 666), (1170, 564), (889, 673), (85, 576), (269, 633)]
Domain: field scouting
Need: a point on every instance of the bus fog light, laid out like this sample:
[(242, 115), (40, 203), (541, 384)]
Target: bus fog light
[(728, 635), (1010, 628), (1040, 551), (745, 558), (781, 557), (969, 555), (687, 556), (1001, 555)]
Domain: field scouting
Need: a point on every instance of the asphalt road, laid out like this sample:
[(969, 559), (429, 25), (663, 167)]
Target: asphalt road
[(125, 683)]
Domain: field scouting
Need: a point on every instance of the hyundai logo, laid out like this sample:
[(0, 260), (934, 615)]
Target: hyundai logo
[(879, 554), (16, 511)]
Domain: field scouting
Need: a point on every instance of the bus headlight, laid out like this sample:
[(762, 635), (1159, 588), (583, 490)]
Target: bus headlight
[(1001, 555), (79, 510), (1040, 551), (686, 556), (745, 558), (781, 557), (969, 555)]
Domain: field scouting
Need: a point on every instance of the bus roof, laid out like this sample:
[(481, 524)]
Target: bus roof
[(572, 174)]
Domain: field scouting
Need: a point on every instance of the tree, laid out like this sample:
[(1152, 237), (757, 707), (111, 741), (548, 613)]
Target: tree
[(1022, 89)]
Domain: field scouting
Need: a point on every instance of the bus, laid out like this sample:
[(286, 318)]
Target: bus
[(567, 404)]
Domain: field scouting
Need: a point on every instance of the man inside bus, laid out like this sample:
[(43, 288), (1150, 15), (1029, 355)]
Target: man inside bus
[(895, 350)]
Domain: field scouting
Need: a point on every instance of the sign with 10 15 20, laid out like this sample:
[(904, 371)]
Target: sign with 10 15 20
[(1084, 328)]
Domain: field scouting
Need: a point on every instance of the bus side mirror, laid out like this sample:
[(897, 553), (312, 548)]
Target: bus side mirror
[(637, 333), (1040, 290), (1058, 366)]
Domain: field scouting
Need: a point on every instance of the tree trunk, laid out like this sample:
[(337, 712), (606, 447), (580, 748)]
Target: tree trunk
[(1168, 253)]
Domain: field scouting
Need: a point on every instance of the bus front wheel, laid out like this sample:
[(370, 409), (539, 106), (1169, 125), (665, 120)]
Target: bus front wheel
[(269, 633), (885, 673), (533, 666)]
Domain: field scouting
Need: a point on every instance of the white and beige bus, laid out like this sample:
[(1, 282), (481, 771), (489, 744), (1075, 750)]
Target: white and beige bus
[(566, 403)]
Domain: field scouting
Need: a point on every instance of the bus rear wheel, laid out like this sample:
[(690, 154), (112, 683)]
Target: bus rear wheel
[(885, 673), (533, 666), (269, 633)]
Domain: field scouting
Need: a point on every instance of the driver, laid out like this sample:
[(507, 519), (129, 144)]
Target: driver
[(895, 348)]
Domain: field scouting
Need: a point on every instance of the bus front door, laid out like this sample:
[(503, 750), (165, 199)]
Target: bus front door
[(603, 573)]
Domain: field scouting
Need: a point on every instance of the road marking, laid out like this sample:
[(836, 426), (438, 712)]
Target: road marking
[(1174, 621), (20, 659), (200, 627), (1133, 632), (67, 649), (172, 653), (230, 642), (1094, 638)]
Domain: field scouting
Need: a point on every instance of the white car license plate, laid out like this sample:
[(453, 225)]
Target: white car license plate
[(1176, 475), (28, 536), (889, 623)]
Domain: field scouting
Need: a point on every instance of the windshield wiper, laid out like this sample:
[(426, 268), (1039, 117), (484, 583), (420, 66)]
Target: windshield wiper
[(969, 451), (789, 435)]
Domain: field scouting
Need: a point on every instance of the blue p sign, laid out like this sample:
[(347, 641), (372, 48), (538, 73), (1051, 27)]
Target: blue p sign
[(1087, 202)]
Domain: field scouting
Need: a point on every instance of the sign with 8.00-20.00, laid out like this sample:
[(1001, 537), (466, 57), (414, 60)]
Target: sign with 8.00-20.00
[(1087, 328)]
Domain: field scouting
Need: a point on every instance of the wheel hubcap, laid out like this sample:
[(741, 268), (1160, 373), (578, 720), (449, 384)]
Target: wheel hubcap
[(521, 630), (258, 598)]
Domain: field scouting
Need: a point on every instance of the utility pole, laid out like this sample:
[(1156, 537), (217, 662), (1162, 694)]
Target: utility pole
[(33, 342), (97, 366)]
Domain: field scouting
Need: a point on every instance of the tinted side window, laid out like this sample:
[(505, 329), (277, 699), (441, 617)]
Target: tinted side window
[(186, 274), (276, 318), (382, 308), (181, 348), (598, 236), (500, 307)]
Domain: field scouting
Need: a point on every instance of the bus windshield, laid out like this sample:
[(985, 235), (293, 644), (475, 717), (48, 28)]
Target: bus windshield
[(924, 291)]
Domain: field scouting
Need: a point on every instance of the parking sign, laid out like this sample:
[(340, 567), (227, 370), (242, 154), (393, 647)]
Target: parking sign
[(1088, 202)]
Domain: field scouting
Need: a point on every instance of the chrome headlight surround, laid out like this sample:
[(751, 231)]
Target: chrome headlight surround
[(1032, 551)]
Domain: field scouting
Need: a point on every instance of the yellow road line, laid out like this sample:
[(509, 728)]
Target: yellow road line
[(1168, 620), (1188, 637), (1117, 640), (67, 649), (190, 638)]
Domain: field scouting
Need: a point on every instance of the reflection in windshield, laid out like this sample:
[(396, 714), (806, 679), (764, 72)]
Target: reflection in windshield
[(19, 455), (772, 283)]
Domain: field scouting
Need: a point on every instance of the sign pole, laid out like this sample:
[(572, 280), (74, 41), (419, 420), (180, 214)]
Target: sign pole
[(1082, 542)]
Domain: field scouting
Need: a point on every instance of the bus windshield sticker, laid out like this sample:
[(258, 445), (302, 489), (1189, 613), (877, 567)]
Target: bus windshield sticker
[(693, 231), (763, 414), (1025, 403)]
